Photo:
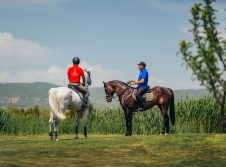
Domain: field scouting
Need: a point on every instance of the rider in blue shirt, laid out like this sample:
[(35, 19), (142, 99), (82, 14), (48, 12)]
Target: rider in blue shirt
[(142, 83)]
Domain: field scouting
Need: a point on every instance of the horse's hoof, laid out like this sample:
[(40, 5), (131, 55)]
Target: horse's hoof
[(76, 136), (86, 136), (166, 133), (51, 137), (57, 139), (161, 134)]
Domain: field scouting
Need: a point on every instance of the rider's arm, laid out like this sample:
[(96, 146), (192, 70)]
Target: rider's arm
[(134, 82), (83, 80), (140, 82)]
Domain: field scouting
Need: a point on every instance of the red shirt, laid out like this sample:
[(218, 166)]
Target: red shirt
[(74, 74)]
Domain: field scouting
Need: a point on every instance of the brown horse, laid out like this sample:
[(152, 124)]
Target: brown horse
[(162, 97)]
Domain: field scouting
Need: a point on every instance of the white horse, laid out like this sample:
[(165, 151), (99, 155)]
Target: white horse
[(63, 98)]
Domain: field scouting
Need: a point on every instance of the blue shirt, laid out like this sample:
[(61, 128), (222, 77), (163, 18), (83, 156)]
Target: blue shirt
[(143, 74)]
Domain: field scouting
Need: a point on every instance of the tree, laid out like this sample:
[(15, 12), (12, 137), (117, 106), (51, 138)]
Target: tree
[(36, 111), (206, 56)]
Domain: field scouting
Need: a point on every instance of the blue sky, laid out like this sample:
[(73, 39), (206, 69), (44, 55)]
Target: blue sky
[(39, 38)]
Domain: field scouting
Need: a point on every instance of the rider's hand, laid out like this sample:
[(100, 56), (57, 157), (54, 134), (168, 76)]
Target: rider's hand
[(133, 82)]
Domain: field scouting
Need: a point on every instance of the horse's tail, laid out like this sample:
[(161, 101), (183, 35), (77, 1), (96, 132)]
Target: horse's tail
[(172, 109), (54, 104)]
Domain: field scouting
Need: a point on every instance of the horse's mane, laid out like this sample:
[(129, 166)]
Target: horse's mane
[(119, 82), (122, 83)]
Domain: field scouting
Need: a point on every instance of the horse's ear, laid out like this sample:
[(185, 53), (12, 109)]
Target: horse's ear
[(89, 69), (104, 83)]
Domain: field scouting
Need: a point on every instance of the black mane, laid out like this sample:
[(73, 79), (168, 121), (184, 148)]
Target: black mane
[(122, 83)]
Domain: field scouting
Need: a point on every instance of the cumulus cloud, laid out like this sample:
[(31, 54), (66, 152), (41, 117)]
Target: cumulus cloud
[(100, 74), (58, 75), (27, 53), (53, 74), (15, 51)]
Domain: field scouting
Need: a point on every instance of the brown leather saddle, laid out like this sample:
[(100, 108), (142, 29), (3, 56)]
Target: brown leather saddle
[(148, 96)]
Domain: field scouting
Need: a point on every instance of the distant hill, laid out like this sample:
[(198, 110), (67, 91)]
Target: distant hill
[(29, 94)]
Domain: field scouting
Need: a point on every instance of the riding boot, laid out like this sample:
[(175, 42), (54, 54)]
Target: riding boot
[(140, 105), (84, 104), (139, 94)]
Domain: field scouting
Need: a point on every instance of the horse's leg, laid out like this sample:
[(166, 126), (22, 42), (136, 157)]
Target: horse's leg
[(76, 124), (50, 126), (165, 128), (63, 106), (85, 116), (56, 122), (127, 129), (128, 115)]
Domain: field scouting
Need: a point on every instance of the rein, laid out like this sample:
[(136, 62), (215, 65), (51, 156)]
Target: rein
[(114, 97)]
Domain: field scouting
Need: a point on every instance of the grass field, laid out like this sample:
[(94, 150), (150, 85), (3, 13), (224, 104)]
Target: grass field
[(114, 150)]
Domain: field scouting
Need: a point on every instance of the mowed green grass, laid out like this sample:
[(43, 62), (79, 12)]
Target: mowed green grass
[(114, 150)]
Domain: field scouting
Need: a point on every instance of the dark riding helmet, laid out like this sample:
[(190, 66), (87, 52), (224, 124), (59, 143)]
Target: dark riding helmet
[(76, 60)]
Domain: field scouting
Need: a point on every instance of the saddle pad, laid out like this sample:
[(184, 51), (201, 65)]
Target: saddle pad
[(78, 92), (148, 97)]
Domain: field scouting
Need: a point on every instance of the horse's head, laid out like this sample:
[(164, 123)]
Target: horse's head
[(109, 91), (88, 77)]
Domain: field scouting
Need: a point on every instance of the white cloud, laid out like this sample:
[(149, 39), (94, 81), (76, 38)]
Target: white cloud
[(58, 75), (15, 51), (100, 74), (185, 29), (220, 29), (24, 52), (54, 74)]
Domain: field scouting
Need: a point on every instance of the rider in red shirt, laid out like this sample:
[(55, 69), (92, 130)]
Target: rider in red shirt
[(74, 74)]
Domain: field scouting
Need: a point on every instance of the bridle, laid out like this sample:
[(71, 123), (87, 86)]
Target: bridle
[(89, 75), (111, 96)]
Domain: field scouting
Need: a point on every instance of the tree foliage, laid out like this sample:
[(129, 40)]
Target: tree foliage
[(206, 56)]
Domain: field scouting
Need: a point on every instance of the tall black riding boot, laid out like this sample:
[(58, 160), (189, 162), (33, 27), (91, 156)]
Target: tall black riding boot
[(84, 104)]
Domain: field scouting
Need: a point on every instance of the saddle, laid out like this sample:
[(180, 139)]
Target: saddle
[(80, 94), (147, 97)]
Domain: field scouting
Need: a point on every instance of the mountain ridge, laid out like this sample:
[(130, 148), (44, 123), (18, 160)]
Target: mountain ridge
[(30, 94)]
